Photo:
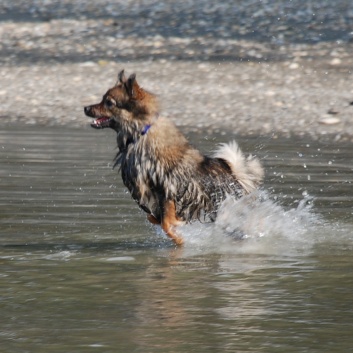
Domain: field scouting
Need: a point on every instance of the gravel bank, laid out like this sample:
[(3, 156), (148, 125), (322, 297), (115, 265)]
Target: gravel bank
[(251, 66)]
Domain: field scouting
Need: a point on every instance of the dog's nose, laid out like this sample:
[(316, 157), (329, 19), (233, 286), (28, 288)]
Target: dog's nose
[(87, 110)]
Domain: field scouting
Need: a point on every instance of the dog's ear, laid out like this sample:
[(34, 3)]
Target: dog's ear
[(121, 77), (130, 85), (133, 89)]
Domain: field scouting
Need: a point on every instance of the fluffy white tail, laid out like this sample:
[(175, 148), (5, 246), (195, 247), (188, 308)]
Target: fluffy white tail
[(248, 171)]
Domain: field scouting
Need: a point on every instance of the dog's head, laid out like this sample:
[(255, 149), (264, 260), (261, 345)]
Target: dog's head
[(124, 105)]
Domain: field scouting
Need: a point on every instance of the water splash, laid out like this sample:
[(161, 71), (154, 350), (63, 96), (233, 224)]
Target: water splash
[(255, 224)]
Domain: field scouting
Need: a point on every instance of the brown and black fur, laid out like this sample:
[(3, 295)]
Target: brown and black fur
[(168, 178)]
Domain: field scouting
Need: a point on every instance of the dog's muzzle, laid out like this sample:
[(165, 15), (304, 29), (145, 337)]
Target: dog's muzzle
[(99, 123)]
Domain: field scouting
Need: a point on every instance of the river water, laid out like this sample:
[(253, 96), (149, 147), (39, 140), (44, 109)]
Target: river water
[(82, 271)]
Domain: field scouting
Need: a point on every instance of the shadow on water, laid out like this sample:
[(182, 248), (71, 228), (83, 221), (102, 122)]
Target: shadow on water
[(82, 270)]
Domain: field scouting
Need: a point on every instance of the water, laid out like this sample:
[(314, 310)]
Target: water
[(82, 271)]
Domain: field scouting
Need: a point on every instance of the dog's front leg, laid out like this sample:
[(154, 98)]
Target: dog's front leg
[(152, 219), (170, 221)]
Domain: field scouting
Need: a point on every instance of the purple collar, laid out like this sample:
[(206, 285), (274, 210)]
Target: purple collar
[(145, 129), (148, 126)]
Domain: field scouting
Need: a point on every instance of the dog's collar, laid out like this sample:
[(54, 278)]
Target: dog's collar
[(148, 126), (123, 146), (145, 129)]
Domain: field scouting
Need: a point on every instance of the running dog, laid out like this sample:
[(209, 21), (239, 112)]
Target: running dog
[(168, 178)]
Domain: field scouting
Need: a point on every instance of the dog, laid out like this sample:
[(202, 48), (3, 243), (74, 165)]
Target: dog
[(169, 178)]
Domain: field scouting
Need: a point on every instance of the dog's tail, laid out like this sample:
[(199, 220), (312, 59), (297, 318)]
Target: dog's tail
[(248, 171)]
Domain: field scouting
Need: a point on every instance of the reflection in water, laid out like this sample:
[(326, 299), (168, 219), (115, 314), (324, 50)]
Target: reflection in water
[(82, 270)]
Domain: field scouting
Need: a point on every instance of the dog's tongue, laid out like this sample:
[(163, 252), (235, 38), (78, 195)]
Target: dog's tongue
[(101, 123)]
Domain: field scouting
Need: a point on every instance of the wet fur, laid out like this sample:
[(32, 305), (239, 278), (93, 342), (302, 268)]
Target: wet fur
[(169, 179)]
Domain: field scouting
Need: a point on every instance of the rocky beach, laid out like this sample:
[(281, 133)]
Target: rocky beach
[(278, 68)]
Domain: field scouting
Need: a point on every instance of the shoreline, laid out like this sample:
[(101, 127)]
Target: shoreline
[(284, 99)]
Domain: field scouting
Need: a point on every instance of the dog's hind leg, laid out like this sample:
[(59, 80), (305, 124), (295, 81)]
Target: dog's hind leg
[(170, 221)]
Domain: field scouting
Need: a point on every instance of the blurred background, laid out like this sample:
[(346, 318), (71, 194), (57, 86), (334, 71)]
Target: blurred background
[(277, 66)]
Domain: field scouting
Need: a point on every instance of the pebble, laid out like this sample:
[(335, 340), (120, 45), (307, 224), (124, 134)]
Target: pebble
[(294, 66), (336, 61), (329, 121)]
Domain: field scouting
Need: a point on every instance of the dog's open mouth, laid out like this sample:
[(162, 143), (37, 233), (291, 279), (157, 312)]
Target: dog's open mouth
[(101, 123)]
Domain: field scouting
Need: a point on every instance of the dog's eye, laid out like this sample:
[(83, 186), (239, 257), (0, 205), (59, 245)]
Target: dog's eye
[(109, 103)]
